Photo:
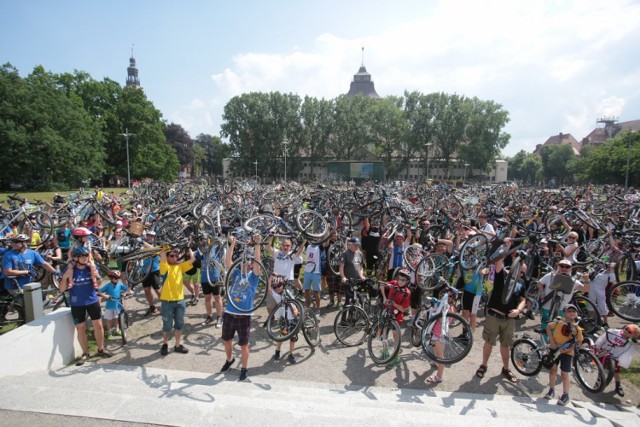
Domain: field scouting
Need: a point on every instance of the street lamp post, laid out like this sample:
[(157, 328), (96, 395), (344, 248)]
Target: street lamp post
[(256, 165), (464, 177), (285, 143), (427, 145), (626, 178), (126, 135)]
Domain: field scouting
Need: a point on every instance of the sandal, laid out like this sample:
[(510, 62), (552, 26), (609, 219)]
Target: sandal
[(82, 359), (509, 375), (481, 371), (434, 379)]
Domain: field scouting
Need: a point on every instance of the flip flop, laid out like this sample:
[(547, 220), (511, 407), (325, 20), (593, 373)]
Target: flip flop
[(509, 375), (434, 379), (481, 371)]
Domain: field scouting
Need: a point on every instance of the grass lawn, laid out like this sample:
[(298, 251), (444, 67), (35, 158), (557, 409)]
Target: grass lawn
[(48, 196)]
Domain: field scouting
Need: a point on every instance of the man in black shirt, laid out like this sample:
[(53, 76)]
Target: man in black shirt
[(500, 321)]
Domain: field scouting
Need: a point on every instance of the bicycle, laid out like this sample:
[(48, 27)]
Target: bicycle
[(12, 314), (384, 339), (352, 322), (529, 356), (624, 300), (287, 317)]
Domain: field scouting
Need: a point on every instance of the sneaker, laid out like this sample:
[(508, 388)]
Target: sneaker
[(117, 333), (619, 390), (550, 394), (243, 374), (208, 320), (325, 297), (331, 304), (109, 336), (218, 323), (292, 359), (276, 356), (227, 365), (181, 349), (104, 354), (564, 399), (194, 301), (164, 350)]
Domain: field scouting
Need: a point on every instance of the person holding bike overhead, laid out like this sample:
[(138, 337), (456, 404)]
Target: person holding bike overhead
[(83, 280), (351, 266), (19, 262)]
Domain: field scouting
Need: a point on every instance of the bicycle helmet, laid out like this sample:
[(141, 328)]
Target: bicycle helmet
[(81, 232), (114, 274), (79, 251), (632, 330), (21, 238), (404, 272), (277, 281)]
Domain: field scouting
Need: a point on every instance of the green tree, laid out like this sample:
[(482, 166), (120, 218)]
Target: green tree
[(352, 126), (179, 139), (388, 130), (316, 126), (555, 161), (607, 163), (215, 151), (420, 113), (452, 114)]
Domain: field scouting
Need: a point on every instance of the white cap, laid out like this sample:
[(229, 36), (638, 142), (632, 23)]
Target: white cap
[(118, 222)]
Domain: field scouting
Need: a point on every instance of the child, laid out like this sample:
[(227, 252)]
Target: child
[(276, 287), (398, 290), (473, 289), (622, 344), (113, 291), (563, 336), (438, 345)]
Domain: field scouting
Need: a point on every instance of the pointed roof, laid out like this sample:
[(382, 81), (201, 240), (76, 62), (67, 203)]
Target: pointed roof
[(132, 73), (362, 84)]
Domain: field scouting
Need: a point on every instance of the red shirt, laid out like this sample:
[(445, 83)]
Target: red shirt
[(399, 297)]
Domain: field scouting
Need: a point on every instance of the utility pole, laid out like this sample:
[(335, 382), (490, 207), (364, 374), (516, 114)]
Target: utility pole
[(126, 135)]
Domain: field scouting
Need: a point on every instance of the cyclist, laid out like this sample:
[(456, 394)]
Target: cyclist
[(312, 275), (209, 273), (622, 344), (473, 289), (351, 266), (83, 279), (113, 292), (398, 290), (53, 255), (563, 335), (284, 261), (82, 237), (20, 262), (276, 288), (153, 278), (396, 249), (63, 237)]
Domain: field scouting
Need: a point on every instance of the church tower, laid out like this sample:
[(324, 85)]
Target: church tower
[(362, 84), (132, 73)]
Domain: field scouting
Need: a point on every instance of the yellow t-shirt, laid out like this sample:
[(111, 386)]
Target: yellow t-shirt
[(35, 240), (173, 286), (561, 338)]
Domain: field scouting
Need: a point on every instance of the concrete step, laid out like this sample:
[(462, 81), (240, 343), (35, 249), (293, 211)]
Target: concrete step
[(173, 397)]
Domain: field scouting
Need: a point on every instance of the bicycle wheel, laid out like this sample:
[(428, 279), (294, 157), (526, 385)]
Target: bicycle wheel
[(526, 357), (624, 300), (511, 281), (123, 324), (11, 315), (242, 295), (311, 328), (589, 371), (264, 224), (334, 257), (206, 234), (609, 366), (136, 272), (429, 271), (590, 318), (351, 325), (62, 299), (456, 337), (626, 269), (311, 224), (284, 321), (419, 320), (473, 254), (384, 341), (412, 255), (45, 222)]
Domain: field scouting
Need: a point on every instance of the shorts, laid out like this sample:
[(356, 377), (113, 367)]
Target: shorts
[(153, 280), (207, 289), (495, 327), (232, 323), (79, 313), (564, 360), (109, 314), (271, 302), (191, 272), (470, 302), (296, 271), (333, 284), (312, 282), (172, 315)]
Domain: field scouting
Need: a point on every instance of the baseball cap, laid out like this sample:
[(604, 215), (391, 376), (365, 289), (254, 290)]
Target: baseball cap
[(564, 262), (150, 233), (354, 240), (570, 307)]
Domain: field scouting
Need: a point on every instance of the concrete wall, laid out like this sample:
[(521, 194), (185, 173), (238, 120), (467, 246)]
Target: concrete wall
[(46, 343)]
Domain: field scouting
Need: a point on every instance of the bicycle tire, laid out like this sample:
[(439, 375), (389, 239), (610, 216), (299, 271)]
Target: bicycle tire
[(136, 272), (123, 324), (59, 300), (351, 325), (412, 256), (457, 342), (206, 233), (419, 320), (334, 257), (511, 281), (235, 284), (624, 300), (383, 343), (311, 224), (609, 367), (284, 327), (626, 269), (588, 371), (311, 328), (473, 254), (526, 357), (429, 270), (589, 316), (12, 313)]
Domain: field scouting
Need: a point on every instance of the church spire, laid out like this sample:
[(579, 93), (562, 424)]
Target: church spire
[(362, 84), (132, 72)]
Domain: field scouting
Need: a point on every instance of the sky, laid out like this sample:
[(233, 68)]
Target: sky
[(555, 66)]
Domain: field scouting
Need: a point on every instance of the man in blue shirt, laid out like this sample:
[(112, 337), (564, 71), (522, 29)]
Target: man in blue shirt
[(234, 320), (18, 264)]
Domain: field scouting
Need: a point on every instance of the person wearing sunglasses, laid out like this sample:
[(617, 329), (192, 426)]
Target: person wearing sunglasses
[(623, 344), (571, 246), (563, 267), (172, 303)]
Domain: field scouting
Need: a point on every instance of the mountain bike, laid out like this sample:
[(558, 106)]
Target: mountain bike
[(384, 339), (353, 321)]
